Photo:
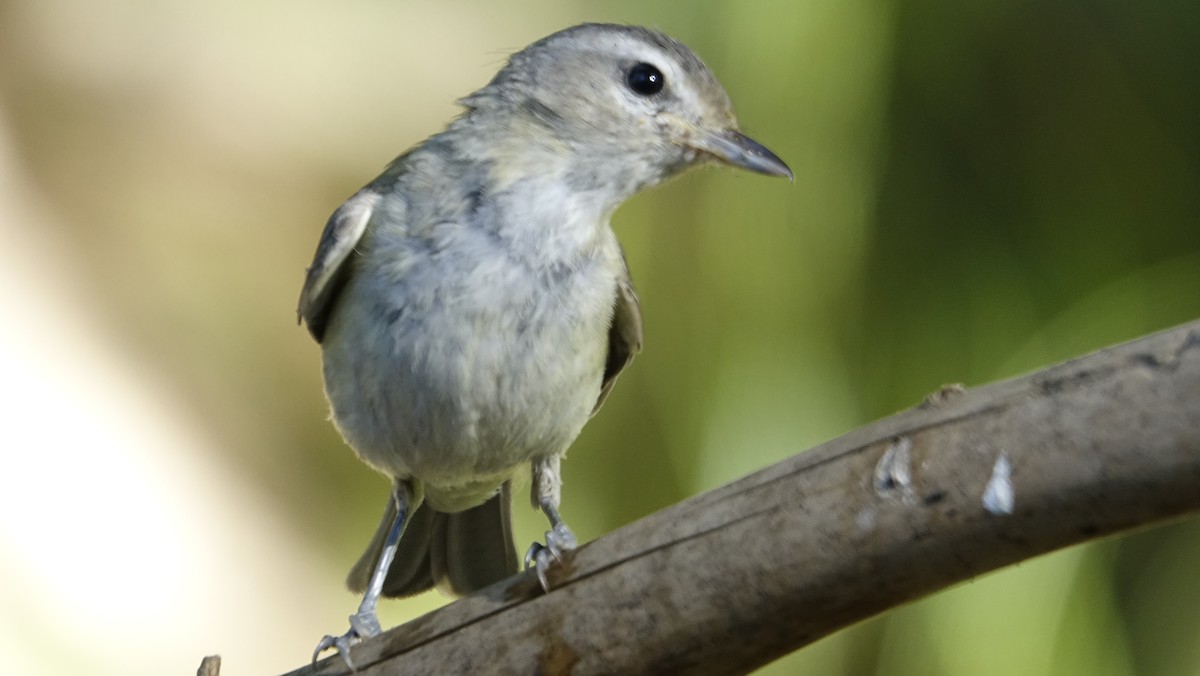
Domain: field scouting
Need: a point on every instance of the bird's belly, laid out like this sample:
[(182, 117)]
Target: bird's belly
[(462, 392)]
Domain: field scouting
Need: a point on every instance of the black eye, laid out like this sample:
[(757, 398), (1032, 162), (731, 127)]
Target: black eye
[(646, 79)]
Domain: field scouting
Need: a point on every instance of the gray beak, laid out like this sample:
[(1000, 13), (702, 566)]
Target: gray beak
[(738, 150)]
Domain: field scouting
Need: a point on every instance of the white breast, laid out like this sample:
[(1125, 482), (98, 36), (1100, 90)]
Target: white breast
[(469, 363)]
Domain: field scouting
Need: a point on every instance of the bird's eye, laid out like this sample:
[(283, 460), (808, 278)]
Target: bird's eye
[(645, 79)]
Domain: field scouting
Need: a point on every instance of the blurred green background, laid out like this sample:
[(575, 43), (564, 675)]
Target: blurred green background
[(981, 189)]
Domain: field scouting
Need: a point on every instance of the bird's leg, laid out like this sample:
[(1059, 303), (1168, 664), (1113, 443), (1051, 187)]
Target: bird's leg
[(546, 493), (364, 623)]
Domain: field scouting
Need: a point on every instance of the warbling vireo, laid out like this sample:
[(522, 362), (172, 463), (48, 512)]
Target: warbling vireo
[(473, 304)]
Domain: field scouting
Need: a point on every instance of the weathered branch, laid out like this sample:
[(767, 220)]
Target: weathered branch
[(210, 666), (914, 503)]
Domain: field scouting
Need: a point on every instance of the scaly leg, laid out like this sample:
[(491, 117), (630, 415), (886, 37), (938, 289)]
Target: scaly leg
[(364, 623), (546, 494)]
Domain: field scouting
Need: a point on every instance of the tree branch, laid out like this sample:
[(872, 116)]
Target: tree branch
[(968, 482)]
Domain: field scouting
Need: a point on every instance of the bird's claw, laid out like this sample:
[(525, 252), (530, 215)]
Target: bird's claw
[(339, 643), (362, 625), (559, 541)]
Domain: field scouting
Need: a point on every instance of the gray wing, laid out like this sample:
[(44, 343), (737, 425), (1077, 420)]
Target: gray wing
[(625, 333), (331, 263)]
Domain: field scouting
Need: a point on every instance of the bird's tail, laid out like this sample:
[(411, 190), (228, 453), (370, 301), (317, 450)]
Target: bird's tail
[(458, 553)]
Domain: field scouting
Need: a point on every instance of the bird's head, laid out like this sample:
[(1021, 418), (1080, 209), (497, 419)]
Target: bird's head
[(628, 106)]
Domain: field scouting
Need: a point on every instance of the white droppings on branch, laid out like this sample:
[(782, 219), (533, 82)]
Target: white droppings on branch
[(998, 496), (893, 472)]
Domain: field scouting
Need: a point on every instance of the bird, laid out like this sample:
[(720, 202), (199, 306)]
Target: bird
[(474, 307)]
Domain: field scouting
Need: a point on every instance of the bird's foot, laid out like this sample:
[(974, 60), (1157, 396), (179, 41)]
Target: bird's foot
[(363, 624), (559, 541)]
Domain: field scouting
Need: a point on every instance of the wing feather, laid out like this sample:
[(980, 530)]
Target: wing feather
[(330, 266), (624, 334)]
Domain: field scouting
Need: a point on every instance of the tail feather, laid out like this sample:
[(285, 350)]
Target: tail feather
[(473, 549), (410, 572), (459, 553)]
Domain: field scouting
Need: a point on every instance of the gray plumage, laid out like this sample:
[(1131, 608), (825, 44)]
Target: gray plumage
[(472, 302)]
